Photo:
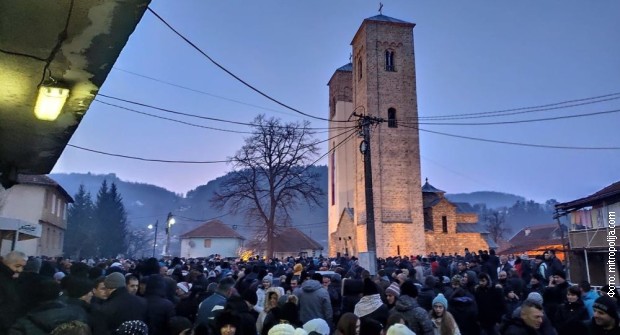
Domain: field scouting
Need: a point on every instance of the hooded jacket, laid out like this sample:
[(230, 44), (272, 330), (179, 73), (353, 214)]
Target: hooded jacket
[(159, 308), (490, 301), (465, 313), (516, 326), (314, 302), (47, 316), (416, 317), (588, 301)]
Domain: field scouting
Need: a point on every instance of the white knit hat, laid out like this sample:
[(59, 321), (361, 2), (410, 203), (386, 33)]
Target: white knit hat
[(282, 329), (399, 329), (317, 325)]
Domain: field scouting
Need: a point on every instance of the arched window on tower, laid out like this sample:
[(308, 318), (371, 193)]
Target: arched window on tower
[(389, 61), (392, 118), (359, 68), (333, 173)]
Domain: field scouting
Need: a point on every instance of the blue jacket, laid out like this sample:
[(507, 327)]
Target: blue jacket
[(208, 307), (588, 300)]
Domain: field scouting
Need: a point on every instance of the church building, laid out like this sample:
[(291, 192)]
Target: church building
[(380, 81)]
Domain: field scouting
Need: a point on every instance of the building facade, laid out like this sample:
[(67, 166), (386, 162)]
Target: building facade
[(380, 81), (213, 237), (33, 216), (592, 233)]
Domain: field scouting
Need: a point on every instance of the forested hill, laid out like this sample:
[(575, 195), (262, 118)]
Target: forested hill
[(146, 203)]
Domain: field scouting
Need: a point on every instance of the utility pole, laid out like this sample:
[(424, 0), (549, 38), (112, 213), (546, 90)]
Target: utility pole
[(155, 238), (169, 222), (365, 122)]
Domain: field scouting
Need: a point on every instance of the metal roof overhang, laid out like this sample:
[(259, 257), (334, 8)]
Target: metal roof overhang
[(30, 31)]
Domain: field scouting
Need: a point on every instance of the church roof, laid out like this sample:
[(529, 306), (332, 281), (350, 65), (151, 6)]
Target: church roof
[(384, 18), (462, 227), (464, 207), (428, 188), (347, 67), (213, 228)]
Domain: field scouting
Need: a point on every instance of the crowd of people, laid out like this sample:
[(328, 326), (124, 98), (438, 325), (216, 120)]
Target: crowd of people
[(471, 294)]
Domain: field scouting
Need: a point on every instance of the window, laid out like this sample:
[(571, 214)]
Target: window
[(359, 68), (333, 173), (389, 61), (444, 224), (207, 243), (392, 118), (53, 203)]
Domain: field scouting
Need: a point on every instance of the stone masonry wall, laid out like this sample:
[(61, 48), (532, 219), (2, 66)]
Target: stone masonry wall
[(395, 151)]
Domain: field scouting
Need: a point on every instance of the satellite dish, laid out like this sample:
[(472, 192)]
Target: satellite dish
[(192, 244)]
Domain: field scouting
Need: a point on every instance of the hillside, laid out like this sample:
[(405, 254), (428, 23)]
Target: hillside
[(147, 203), (490, 198)]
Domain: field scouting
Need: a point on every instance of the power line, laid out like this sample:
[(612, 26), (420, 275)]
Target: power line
[(516, 121), (232, 74), (178, 161), (173, 120), (191, 115), (515, 143), (145, 159), (522, 110), (200, 92)]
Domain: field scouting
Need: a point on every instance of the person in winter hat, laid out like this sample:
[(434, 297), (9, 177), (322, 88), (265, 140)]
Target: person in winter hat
[(370, 305), (443, 321), (133, 327), (416, 317), (399, 329), (391, 294), (282, 329), (318, 326)]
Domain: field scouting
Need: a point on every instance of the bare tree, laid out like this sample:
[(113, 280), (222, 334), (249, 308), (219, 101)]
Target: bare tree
[(270, 176), (496, 225)]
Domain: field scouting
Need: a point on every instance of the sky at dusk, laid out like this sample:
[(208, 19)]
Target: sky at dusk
[(471, 57)]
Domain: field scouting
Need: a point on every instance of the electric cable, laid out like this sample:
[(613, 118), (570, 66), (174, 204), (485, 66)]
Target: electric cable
[(517, 121), (522, 110), (191, 115), (514, 143), (173, 120), (15, 53), (61, 38), (232, 74), (145, 159), (200, 92)]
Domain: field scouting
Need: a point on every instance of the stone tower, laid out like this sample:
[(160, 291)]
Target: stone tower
[(383, 85)]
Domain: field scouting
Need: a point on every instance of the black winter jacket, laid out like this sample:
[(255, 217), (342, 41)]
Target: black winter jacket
[(47, 316)]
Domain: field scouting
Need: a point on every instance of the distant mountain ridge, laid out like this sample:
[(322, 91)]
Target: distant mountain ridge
[(146, 203), (490, 198)]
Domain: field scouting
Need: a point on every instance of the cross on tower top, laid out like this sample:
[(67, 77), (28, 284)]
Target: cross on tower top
[(380, 8)]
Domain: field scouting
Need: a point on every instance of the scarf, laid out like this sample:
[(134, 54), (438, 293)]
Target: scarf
[(367, 305)]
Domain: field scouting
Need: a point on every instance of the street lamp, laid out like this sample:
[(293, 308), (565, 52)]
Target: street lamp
[(155, 238), (169, 222)]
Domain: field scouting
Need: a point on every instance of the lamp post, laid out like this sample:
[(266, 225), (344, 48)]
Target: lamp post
[(169, 222), (154, 238)]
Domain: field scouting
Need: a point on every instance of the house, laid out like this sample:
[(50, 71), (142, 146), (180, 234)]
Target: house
[(213, 237), (33, 216), (289, 242), (592, 234), (535, 240), (450, 227)]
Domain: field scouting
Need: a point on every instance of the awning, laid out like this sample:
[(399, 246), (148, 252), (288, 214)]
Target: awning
[(27, 230)]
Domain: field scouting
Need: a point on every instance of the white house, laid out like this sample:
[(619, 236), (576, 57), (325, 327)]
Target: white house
[(213, 237), (33, 216)]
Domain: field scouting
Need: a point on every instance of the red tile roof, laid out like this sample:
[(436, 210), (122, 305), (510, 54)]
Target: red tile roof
[(290, 240), (538, 236), (214, 228)]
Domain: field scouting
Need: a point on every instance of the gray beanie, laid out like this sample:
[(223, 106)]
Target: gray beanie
[(114, 280), (535, 297)]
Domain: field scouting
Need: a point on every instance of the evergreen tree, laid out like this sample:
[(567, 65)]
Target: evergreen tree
[(111, 218), (79, 237)]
